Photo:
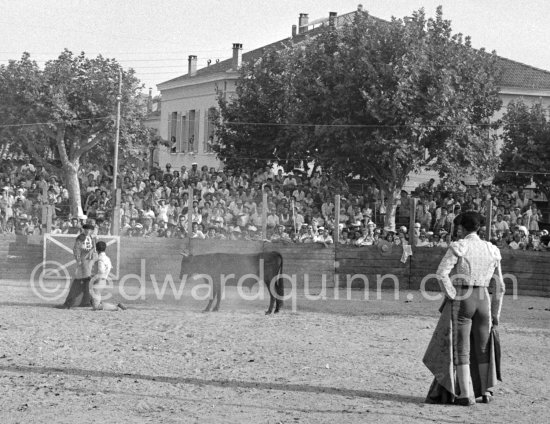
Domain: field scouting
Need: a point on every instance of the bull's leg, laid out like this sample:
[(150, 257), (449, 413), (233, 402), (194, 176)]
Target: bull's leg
[(212, 296), (280, 287), (271, 299), (207, 309), (217, 295)]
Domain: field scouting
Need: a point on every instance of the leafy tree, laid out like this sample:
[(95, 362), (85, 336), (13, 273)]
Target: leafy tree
[(64, 114), (526, 145), (263, 96), (370, 98)]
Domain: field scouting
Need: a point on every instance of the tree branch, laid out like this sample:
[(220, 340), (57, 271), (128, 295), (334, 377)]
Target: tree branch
[(40, 158), (86, 148), (77, 154)]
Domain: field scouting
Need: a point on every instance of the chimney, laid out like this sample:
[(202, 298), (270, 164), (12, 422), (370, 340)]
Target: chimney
[(237, 56), (332, 18), (192, 66), (359, 7), (293, 30), (302, 23)]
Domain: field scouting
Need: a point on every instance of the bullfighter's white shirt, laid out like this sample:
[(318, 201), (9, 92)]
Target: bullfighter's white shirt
[(476, 262)]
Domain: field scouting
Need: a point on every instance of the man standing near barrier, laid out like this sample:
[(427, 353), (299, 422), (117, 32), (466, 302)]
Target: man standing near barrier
[(473, 313), (85, 256)]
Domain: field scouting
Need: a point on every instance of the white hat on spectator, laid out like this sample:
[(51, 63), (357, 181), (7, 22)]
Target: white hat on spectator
[(403, 229), (23, 216), (417, 225), (524, 230), (321, 228), (252, 228), (544, 233)]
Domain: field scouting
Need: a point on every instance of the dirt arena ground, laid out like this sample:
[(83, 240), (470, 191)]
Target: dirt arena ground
[(330, 361)]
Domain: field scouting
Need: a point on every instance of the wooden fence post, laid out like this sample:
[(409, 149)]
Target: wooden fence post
[(488, 219), (45, 211), (115, 224), (190, 212), (49, 218), (264, 215), (412, 220), (336, 235)]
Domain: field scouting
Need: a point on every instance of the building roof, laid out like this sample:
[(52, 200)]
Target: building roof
[(520, 75), (514, 74)]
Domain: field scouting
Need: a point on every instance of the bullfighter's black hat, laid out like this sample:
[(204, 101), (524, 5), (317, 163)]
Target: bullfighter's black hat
[(471, 220)]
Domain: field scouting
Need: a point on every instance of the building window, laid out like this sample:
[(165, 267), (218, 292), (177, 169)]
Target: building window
[(191, 131), (210, 131), (173, 131), (182, 131)]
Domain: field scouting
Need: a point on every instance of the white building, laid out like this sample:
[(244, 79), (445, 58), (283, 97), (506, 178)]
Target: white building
[(188, 99)]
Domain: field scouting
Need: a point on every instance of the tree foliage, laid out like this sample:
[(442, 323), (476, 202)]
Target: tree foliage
[(64, 113), (370, 98), (526, 145)]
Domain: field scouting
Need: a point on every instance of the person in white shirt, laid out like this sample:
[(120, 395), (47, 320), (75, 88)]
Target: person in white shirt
[(323, 237), (290, 181), (423, 241), (501, 225), (28, 167), (476, 262), (102, 269), (196, 232)]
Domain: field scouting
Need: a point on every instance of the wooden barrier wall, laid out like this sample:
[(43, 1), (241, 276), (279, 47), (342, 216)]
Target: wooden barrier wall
[(19, 255), (370, 266), (525, 273), (147, 258)]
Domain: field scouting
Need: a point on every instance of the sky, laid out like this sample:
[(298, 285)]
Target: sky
[(156, 37)]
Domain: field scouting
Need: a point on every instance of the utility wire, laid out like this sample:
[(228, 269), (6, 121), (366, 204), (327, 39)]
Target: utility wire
[(30, 124), (275, 124)]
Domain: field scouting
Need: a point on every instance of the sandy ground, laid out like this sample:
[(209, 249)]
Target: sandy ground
[(330, 361)]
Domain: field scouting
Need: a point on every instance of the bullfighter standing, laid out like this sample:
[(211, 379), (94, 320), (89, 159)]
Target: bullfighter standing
[(472, 316), (85, 256)]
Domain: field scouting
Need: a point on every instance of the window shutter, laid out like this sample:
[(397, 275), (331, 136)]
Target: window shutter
[(169, 127), (205, 147), (184, 133), (196, 132)]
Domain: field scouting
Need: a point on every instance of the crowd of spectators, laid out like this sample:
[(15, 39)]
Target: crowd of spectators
[(228, 205)]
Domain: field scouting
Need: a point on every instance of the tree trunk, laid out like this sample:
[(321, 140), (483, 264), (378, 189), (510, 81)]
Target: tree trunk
[(391, 207), (73, 187)]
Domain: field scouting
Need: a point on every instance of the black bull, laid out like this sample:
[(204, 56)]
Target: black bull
[(218, 266)]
